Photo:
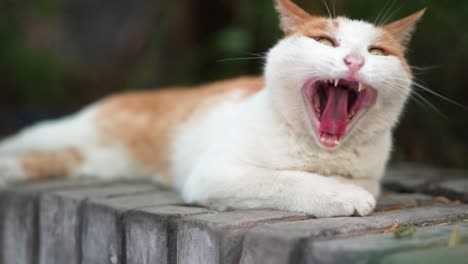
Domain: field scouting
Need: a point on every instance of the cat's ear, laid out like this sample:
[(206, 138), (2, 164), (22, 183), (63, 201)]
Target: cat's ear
[(404, 28), (290, 15)]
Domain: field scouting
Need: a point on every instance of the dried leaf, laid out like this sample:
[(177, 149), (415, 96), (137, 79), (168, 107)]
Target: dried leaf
[(396, 207), (445, 200), (404, 231), (391, 229), (454, 238)]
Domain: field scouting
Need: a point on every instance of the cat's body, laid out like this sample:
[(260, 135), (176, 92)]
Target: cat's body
[(248, 142)]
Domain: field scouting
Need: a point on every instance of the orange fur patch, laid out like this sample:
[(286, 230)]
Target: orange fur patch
[(52, 164), (146, 121), (318, 27), (288, 8), (392, 46)]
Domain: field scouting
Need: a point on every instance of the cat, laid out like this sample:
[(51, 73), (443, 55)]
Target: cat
[(312, 135)]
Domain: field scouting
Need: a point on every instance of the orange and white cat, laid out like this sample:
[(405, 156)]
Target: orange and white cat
[(313, 135)]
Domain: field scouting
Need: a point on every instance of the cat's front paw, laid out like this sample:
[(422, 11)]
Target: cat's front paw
[(344, 200)]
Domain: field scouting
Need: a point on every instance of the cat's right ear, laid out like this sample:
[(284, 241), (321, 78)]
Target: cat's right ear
[(403, 28), (291, 15)]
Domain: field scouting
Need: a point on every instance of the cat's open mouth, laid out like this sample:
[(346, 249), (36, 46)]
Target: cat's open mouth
[(335, 106)]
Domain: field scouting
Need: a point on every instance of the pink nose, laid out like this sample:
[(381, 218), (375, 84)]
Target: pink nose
[(354, 62)]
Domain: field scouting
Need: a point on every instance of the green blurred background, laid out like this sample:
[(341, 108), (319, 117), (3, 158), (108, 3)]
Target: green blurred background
[(58, 55)]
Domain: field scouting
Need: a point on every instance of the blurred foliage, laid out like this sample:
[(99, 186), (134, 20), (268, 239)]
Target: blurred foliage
[(57, 55)]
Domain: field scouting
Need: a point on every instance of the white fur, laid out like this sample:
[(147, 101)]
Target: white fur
[(261, 152), (11, 171)]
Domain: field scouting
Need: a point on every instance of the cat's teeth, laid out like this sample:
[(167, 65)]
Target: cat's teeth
[(336, 82), (361, 87), (337, 142)]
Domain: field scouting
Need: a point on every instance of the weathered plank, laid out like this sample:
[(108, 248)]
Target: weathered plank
[(389, 201), (283, 242), (455, 255), (206, 239), (19, 218), (374, 247), (450, 183), (151, 233), (102, 232), (60, 218)]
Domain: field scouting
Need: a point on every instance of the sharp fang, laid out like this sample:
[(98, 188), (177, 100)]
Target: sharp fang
[(336, 82), (361, 86)]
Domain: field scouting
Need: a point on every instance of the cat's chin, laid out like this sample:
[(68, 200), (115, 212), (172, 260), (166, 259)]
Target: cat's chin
[(335, 106)]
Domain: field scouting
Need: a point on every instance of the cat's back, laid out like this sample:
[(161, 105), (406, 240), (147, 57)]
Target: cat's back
[(177, 100), (145, 121)]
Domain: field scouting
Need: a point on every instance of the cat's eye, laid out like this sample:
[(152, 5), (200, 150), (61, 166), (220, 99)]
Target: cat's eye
[(377, 52), (326, 41)]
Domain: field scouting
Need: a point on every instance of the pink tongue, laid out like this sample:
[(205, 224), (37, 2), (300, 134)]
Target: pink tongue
[(335, 115)]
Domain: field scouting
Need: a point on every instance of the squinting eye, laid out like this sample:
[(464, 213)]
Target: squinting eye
[(377, 52), (326, 41)]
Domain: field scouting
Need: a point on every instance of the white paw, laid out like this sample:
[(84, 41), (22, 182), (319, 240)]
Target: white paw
[(343, 200), (10, 171)]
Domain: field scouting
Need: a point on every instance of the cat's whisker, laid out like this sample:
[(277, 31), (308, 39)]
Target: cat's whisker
[(419, 99), (426, 68), (440, 96), (420, 86), (431, 105), (394, 12), (334, 8), (242, 59), (380, 12), (328, 9), (384, 17), (263, 54)]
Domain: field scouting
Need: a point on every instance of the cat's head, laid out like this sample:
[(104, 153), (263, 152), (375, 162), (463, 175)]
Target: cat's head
[(339, 79)]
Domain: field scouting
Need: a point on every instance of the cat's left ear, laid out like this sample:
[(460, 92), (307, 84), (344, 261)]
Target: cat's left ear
[(404, 28), (291, 15)]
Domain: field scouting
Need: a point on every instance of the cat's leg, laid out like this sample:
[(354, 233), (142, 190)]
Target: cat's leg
[(372, 185), (34, 166), (101, 162), (222, 186), (72, 130), (68, 147), (48, 149)]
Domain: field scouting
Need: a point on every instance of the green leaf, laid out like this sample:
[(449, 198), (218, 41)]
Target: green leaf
[(454, 237), (404, 231)]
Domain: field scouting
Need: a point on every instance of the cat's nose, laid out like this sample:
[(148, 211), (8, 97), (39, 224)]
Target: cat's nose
[(354, 62)]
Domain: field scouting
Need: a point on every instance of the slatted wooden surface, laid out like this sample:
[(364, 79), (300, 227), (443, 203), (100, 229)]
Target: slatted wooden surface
[(89, 221)]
